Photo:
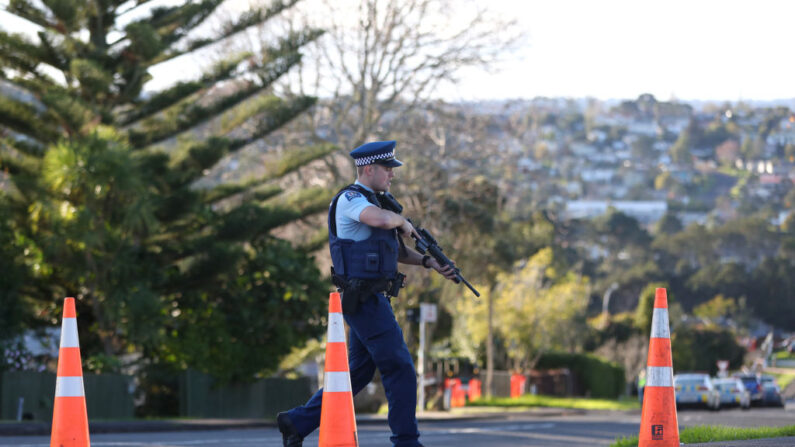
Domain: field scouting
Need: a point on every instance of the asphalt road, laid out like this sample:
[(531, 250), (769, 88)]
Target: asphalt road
[(593, 428), (734, 417), (512, 431)]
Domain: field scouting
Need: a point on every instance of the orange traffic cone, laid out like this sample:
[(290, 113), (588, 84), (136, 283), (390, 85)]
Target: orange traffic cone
[(337, 418), (69, 416), (658, 423), (474, 389), (459, 396), (517, 385)]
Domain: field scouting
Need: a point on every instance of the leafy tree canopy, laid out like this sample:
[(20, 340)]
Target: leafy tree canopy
[(108, 185)]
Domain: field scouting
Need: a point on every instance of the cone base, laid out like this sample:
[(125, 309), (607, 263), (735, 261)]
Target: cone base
[(70, 423), (337, 421), (659, 426)]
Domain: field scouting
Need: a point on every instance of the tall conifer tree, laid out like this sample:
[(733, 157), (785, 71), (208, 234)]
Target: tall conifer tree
[(106, 193)]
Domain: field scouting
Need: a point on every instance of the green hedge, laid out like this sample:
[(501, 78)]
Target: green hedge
[(699, 349), (599, 377)]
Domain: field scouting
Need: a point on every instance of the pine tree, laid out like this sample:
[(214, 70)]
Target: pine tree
[(107, 185)]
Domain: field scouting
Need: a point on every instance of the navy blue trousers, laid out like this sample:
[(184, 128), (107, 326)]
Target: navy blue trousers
[(375, 340)]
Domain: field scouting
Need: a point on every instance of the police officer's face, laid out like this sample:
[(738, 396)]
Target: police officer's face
[(381, 177)]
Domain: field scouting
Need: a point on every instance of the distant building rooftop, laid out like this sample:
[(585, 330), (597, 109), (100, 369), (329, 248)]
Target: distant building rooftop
[(645, 211)]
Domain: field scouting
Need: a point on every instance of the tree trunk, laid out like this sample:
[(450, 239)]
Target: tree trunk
[(490, 347), (104, 332)]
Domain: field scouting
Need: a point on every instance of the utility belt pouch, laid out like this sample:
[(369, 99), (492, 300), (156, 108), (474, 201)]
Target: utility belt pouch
[(372, 262), (355, 291), (396, 284), (352, 295), (337, 280)]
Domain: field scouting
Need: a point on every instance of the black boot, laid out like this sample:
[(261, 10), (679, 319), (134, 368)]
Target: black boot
[(290, 435)]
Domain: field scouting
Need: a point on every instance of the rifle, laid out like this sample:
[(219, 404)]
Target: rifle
[(426, 243)]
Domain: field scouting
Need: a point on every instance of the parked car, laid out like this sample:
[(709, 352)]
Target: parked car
[(733, 392), (771, 392), (753, 384), (697, 390)]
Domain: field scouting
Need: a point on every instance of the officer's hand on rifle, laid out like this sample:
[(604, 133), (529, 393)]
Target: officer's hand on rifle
[(444, 270), (425, 243), (407, 229)]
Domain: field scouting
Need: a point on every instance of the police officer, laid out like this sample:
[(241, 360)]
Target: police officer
[(365, 250)]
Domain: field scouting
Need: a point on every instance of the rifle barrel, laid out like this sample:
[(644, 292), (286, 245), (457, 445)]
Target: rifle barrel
[(466, 283), (428, 243)]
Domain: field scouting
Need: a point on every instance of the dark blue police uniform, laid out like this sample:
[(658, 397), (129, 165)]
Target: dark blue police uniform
[(375, 339)]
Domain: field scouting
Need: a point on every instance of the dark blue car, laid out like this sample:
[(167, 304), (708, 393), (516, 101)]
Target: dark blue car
[(771, 392), (753, 384)]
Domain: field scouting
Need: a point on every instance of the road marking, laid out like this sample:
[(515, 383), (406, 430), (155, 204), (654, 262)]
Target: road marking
[(501, 428), (222, 442), (516, 431)]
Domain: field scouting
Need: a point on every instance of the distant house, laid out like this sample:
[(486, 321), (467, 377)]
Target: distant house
[(598, 136), (785, 134), (728, 151), (781, 218), (607, 158), (548, 131), (526, 164), (684, 176), (758, 166), (581, 149), (760, 192), (676, 125), (702, 152), (770, 179), (624, 154), (598, 175), (704, 165), (610, 121), (661, 146), (784, 169), (647, 128), (645, 211), (634, 177), (689, 217), (574, 189)]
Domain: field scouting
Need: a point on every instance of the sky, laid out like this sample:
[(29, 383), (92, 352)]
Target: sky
[(617, 49), (695, 49)]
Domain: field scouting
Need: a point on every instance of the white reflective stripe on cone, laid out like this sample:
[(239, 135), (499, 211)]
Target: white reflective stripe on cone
[(69, 333), (337, 382), (69, 387), (659, 376), (336, 328), (659, 324)]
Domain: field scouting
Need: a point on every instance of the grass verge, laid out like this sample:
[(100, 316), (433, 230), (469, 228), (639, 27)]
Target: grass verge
[(714, 433), (530, 400), (784, 355), (783, 379)]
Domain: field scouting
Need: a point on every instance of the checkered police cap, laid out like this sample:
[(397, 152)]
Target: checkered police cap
[(378, 152)]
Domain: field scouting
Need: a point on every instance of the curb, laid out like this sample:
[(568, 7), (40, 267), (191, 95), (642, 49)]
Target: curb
[(135, 426), (43, 429), (761, 442)]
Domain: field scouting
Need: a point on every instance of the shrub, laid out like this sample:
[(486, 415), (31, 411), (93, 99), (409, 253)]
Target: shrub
[(598, 377), (696, 349)]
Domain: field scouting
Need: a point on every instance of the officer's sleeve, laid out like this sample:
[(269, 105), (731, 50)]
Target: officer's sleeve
[(351, 204)]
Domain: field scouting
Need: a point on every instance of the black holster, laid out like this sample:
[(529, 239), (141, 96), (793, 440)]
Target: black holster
[(355, 291)]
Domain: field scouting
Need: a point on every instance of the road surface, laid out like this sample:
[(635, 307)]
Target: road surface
[(592, 428)]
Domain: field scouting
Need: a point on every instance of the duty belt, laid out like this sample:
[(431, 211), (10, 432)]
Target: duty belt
[(356, 290)]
